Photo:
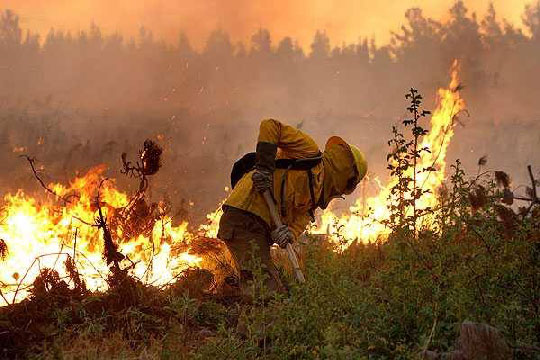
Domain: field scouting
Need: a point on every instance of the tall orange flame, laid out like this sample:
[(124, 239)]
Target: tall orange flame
[(366, 227)]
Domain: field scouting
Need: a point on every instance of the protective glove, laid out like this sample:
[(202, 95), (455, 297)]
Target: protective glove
[(264, 166), (282, 236), (262, 180)]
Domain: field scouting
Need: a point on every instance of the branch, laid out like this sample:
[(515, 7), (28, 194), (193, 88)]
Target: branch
[(533, 185), (3, 297), (32, 161), (534, 196), (110, 251), (75, 244)]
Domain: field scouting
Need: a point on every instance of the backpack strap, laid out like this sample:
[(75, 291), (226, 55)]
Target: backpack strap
[(247, 163), (299, 164), (312, 194), (283, 191)]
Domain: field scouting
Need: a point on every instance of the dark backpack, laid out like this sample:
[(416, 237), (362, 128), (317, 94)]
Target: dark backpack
[(247, 163)]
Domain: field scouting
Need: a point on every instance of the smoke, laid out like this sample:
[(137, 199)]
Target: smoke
[(77, 99), (344, 20)]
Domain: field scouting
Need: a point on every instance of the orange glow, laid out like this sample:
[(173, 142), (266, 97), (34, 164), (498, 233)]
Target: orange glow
[(344, 20)]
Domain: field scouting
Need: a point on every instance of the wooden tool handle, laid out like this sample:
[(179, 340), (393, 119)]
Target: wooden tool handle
[(290, 251), (273, 209)]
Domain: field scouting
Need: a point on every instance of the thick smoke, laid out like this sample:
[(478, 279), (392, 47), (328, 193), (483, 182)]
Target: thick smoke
[(76, 100)]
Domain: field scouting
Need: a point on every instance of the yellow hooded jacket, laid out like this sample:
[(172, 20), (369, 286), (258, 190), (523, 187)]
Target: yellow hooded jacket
[(332, 177)]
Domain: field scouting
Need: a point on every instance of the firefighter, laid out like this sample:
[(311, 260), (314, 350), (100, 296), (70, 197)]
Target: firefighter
[(301, 178)]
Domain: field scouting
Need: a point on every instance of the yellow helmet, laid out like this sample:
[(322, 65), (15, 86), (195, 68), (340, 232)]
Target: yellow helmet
[(359, 161)]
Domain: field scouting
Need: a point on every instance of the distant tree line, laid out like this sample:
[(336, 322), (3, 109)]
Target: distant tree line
[(89, 68)]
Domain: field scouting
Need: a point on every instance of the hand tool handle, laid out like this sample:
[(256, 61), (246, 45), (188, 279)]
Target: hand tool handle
[(290, 251)]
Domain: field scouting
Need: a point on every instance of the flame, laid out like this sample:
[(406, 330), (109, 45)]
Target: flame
[(367, 226), (19, 149), (41, 233)]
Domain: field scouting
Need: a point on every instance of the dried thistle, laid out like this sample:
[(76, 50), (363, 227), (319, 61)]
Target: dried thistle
[(150, 163), (151, 157)]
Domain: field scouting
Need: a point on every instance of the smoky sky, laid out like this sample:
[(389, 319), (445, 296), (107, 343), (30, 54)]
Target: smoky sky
[(344, 20)]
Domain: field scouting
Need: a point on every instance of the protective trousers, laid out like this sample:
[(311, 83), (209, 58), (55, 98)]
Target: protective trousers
[(247, 236)]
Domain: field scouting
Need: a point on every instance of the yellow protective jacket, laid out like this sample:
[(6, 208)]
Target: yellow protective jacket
[(331, 177)]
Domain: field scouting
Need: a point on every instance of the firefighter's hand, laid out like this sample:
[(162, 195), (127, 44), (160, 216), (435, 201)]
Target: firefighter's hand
[(262, 180), (282, 236)]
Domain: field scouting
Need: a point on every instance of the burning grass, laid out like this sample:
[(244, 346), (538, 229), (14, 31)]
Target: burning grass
[(94, 225)]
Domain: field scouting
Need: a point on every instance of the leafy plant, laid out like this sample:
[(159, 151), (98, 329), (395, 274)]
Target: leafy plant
[(403, 166)]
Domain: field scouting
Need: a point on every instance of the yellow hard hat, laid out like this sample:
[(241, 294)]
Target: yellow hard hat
[(359, 161)]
